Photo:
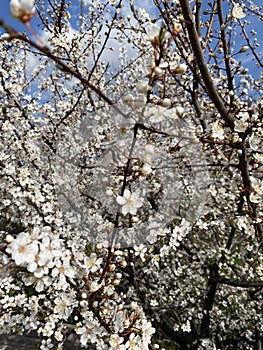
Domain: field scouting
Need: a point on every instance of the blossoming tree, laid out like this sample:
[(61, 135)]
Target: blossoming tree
[(131, 174)]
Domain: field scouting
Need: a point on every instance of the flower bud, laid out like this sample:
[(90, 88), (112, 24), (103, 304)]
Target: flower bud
[(84, 303), (158, 71), (166, 102), (9, 238), (142, 86), (181, 68), (179, 111), (23, 10), (112, 268), (115, 282), (146, 169), (109, 192), (177, 28), (244, 48)]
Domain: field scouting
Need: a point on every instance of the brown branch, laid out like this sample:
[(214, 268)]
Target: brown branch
[(202, 65), (107, 37), (225, 49), (240, 283), (13, 34), (243, 167), (250, 45), (209, 300)]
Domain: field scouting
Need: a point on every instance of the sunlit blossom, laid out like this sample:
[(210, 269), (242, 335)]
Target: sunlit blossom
[(23, 10), (130, 202), (155, 114), (92, 262), (240, 125), (153, 32), (217, 131), (23, 249), (180, 68), (237, 12)]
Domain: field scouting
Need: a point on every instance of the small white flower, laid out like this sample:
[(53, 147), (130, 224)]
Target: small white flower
[(142, 86), (23, 10), (130, 202), (46, 344), (255, 142), (217, 131), (153, 31), (254, 197), (237, 12), (180, 68), (186, 327), (240, 126), (115, 341), (155, 114), (93, 263), (258, 157), (94, 286), (24, 251), (166, 102), (140, 251), (63, 305), (128, 99)]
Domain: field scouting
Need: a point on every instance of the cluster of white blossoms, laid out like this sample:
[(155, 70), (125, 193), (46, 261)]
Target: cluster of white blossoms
[(179, 233), (156, 67), (43, 254)]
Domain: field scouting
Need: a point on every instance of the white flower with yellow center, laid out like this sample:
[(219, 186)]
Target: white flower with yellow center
[(217, 131), (237, 12), (130, 202), (23, 249)]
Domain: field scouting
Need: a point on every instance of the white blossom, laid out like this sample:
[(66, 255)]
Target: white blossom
[(237, 12), (153, 31), (217, 131), (23, 10), (240, 125), (93, 263), (130, 202), (23, 249)]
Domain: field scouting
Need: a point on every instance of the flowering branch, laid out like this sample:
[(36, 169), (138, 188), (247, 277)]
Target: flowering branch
[(225, 48), (13, 34), (202, 65)]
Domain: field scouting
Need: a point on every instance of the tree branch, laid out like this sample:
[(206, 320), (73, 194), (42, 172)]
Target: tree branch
[(240, 283), (13, 34), (209, 300), (206, 76)]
